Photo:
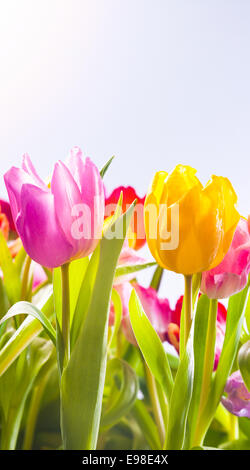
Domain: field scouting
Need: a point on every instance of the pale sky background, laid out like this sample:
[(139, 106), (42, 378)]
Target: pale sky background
[(155, 82)]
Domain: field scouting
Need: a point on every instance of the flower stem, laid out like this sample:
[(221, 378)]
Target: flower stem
[(65, 312), (25, 277), (32, 416), (187, 308), (234, 428), (152, 389)]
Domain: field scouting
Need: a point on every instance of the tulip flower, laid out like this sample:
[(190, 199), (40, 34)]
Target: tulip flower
[(157, 310), (189, 228), (64, 221), (128, 257), (237, 400), (220, 328), (231, 275), (39, 276), (136, 233), (203, 220), (6, 210), (165, 321)]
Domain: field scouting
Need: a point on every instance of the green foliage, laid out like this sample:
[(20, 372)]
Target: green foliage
[(150, 345), (83, 379)]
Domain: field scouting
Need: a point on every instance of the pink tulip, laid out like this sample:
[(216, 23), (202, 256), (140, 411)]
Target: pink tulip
[(157, 310), (39, 276), (231, 275), (128, 257), (237, 400), (63, 222)]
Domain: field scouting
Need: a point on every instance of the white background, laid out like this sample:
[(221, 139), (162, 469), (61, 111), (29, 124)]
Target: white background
[(155, 82)]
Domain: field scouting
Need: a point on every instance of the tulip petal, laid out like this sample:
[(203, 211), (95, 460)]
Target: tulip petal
[(92, 191), (66, 196), (28, 166), (14, 179), (75, 164), (238, 400), (39, 229)]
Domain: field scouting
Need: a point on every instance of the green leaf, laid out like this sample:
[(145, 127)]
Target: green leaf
[(118, 316), (235, 316), (26, 308), (245, 332), (146, 424), (157, 278), (15, 386), (150, 345), (4, 302), (11, 275), (204, 332), (83, 379), (25, 334), (106, 166), (121, 397), (181, 398), (77, 270), (125, 270), (244, 363), (84, 296), (239, 444)]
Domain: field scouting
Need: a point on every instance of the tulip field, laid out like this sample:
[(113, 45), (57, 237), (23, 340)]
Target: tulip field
[(92, 358)]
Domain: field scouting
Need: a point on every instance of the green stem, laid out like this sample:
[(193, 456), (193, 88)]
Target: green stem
[(32, 416), (25, 278), (234, 428), (152, 389), (208, 368), (157, 278), (65, 312), (187, 308)]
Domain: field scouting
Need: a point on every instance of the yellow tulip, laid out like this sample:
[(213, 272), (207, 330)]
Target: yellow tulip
[(203, 219)]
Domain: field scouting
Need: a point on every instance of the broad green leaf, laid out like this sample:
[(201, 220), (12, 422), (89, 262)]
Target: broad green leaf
[(77, 270), (15, 386), (121, 397), (239, 444), (235, 316), (84, 296), (106, 166), (245, 333), (26, 308), (150, 345), (83, 379), (4, 302), (181, 398), (19, 259), (25, 334), (11, 275), (244, 424), (203, 344), (244, 363), (117, 303), (146, 424)]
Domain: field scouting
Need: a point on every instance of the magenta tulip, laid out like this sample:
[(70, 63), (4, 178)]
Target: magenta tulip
[(237, 400), (231, 275), (63, 222), (128, 257), (157, 310)]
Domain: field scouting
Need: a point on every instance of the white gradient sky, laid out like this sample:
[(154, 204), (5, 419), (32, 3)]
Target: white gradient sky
[(155, 82)]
